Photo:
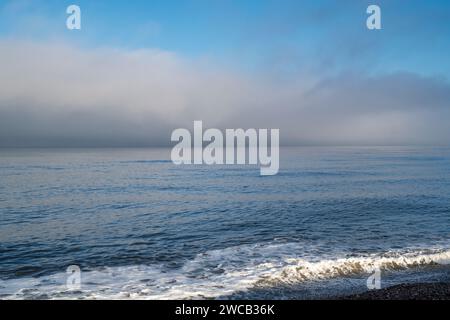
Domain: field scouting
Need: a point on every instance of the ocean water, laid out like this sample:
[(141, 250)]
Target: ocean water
[(140, 227)]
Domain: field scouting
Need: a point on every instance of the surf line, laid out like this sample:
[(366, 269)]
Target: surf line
[(238, 143)]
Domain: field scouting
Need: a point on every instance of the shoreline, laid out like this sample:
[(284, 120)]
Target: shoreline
[(416, 291)]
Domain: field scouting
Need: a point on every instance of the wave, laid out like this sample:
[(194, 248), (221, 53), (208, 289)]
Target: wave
[(218, 273)]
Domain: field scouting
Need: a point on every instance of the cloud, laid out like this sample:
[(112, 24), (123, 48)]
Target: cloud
[(56, 94)]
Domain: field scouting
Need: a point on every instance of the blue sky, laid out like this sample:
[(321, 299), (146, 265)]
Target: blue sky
[(253, 33), (139, 69)]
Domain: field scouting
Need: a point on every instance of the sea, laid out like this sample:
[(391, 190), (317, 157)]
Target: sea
[(137, 226)]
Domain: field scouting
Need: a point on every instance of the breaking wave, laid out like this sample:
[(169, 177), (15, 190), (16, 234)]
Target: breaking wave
[(218, 273)]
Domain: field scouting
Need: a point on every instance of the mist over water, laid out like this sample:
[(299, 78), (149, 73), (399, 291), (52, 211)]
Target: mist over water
[(140, 227)]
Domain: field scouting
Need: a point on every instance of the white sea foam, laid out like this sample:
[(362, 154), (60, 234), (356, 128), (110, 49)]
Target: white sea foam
[(217, 273)]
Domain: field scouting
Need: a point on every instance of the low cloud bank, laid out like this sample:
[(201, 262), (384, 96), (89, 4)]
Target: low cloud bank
[(54, 94)]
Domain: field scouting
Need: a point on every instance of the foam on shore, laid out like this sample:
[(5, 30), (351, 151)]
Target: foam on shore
[(218, 273)]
